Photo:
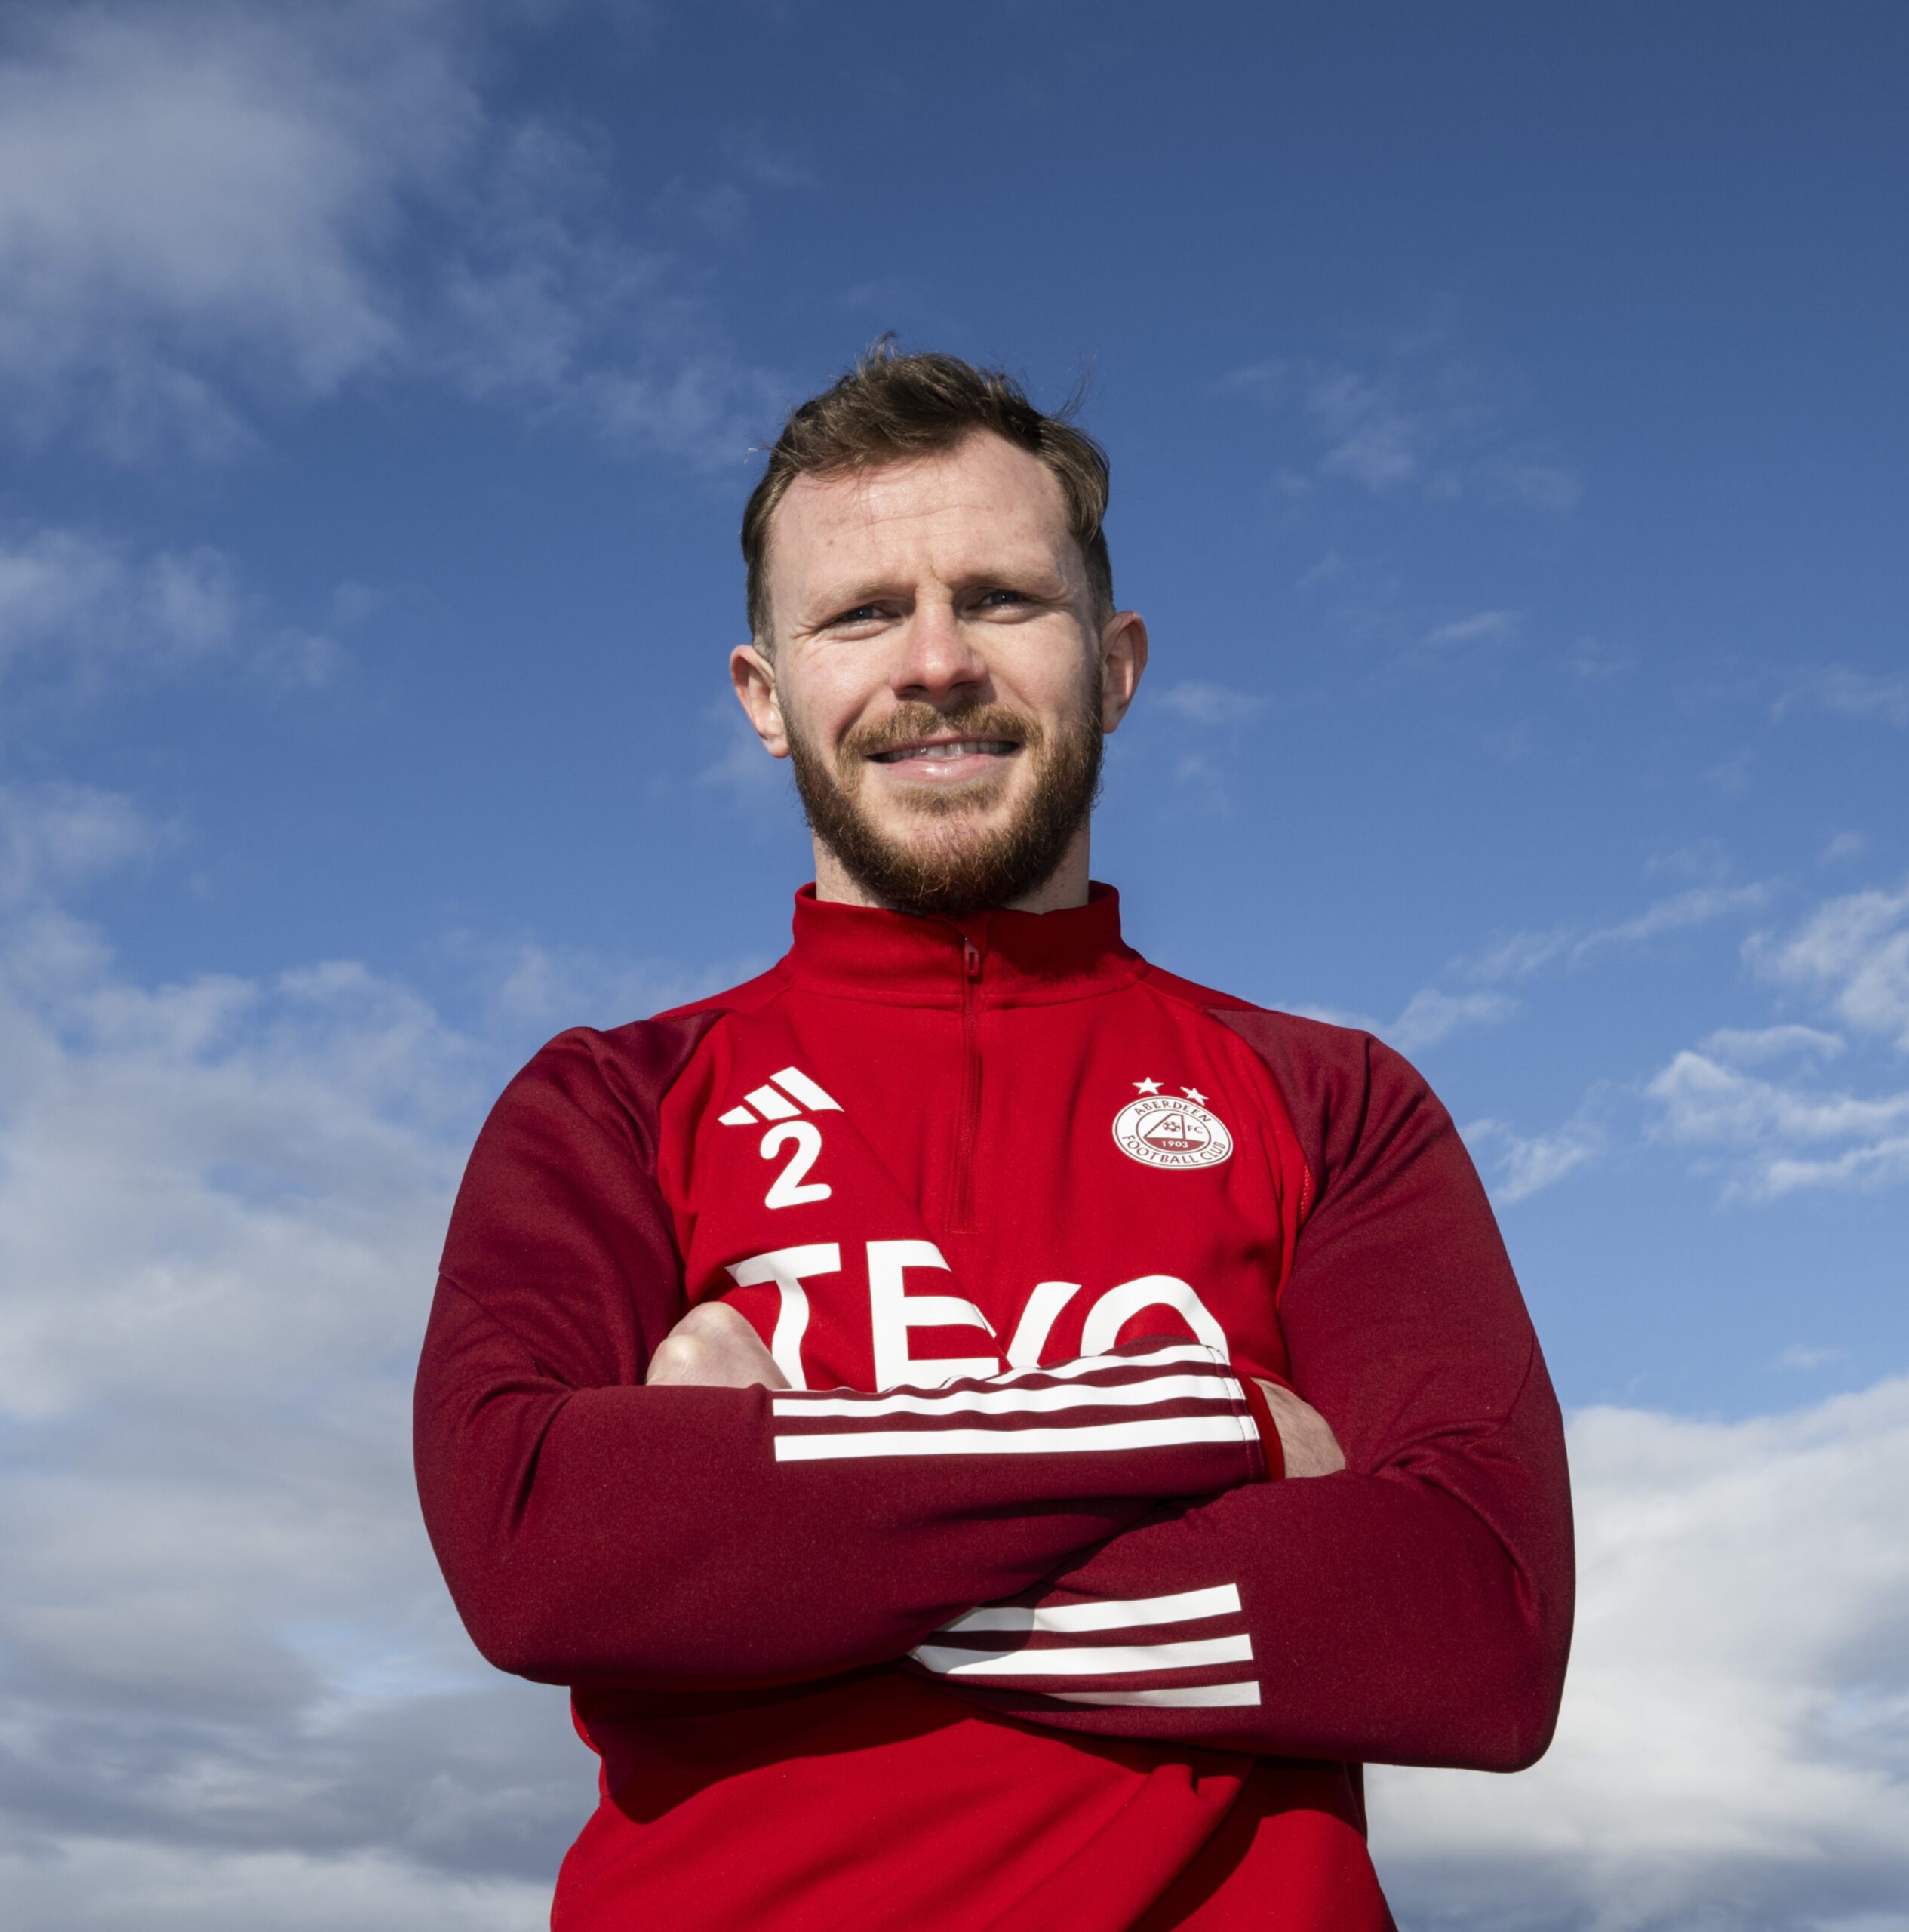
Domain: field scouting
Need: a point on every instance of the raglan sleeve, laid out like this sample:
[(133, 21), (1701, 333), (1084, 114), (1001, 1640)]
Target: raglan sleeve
[(1415, 1608), (595, 1531)]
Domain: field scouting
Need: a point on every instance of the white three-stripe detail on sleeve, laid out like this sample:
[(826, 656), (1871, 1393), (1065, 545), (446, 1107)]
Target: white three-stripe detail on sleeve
[(1099, 1436), (1114, 1614), (1086, 1659)]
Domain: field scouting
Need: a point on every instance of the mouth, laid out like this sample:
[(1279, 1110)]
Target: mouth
[(969, 751)]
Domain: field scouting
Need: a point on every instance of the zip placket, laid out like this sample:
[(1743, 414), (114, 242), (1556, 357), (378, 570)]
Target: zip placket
[(961, 1209)]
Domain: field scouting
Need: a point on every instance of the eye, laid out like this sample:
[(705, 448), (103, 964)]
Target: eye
[(862, 614), (1001, 597)]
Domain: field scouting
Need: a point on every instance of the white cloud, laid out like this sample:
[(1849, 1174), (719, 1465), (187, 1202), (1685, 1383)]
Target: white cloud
[(1704, 1101), (69, 595), (1734, 1750), (1782, 1136), (1852, 952), (54, 836), (201, 182), (81, 614), (95, 1885), (1753, 1103), (232, 1668), (209, 211)]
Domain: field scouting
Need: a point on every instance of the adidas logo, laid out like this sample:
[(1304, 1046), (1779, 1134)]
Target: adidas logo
[(782, 1096)]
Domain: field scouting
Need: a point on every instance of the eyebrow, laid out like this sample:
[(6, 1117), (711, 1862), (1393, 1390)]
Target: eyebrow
[(1034, 579)]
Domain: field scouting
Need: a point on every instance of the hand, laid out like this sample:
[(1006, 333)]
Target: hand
[(713, 1347), (1305, 1437)]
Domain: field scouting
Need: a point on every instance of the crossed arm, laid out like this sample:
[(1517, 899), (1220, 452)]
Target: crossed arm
[(712, 1347), (615, 1498)]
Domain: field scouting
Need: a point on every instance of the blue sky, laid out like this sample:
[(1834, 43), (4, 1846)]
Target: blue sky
[(1506, 410)]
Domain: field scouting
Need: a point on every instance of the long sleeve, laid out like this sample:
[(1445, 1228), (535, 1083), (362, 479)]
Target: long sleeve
[(595, 1531), (1414, 1609)]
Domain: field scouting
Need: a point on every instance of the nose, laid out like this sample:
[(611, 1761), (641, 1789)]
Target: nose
[(938, 657)]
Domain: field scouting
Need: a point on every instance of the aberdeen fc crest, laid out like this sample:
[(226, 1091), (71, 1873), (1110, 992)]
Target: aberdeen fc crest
[(1171, 1131)]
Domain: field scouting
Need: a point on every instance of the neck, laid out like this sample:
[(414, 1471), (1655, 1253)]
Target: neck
[(1066, 886)]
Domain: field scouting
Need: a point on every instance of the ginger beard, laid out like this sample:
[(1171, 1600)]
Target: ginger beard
[(948, 863)]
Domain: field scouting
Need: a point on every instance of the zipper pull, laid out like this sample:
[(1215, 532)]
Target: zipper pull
[(970, 958)]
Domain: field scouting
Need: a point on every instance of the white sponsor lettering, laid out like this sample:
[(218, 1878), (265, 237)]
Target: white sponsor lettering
[(893, 1312), (1037, 1321), (1101, 1331), (788, 1268)]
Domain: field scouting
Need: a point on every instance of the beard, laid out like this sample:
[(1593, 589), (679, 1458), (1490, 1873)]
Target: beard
[(948, 867)]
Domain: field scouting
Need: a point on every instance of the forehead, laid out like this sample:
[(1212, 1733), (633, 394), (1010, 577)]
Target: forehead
[(982, 505)]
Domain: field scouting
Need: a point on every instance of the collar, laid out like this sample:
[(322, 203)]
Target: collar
[(1002, 959)]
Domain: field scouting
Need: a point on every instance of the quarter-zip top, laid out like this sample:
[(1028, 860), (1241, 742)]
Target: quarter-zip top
[(993, 1618), (961, 1217)]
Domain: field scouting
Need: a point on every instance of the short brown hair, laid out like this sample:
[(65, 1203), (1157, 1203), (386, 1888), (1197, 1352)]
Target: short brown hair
[(891, 407)]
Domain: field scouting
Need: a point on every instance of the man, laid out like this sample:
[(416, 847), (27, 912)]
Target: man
[(903, 1396)]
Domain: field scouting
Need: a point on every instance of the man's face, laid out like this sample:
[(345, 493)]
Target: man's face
[(939, 677)]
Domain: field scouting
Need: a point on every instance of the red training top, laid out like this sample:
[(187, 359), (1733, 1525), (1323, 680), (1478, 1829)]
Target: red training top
[(998, 1616)]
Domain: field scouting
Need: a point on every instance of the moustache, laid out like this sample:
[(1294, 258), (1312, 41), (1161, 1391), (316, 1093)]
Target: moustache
[(911, 722)]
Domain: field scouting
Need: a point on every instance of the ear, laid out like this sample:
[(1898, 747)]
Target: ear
[(755, 679), (1122, 658)]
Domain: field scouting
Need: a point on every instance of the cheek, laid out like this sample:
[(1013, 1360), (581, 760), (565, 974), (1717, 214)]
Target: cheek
[(1052, 675), (821, 705)]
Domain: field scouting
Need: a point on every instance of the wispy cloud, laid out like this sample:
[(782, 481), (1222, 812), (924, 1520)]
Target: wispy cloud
[(1431, 1015), (1883, 696), (1754, 1046), (1798, 1356), (1428, 1017), (1481, 628), (1419, 420), (740, 770), (1193, 702), (1518, 1165), (1516, 954)]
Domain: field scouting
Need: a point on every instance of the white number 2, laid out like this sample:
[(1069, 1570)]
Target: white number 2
[(788, 1189)]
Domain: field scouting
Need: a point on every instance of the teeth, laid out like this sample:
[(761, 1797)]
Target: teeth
[(958, 748)]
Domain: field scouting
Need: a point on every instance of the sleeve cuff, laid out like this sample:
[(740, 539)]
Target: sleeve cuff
[(1262, 1416)]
